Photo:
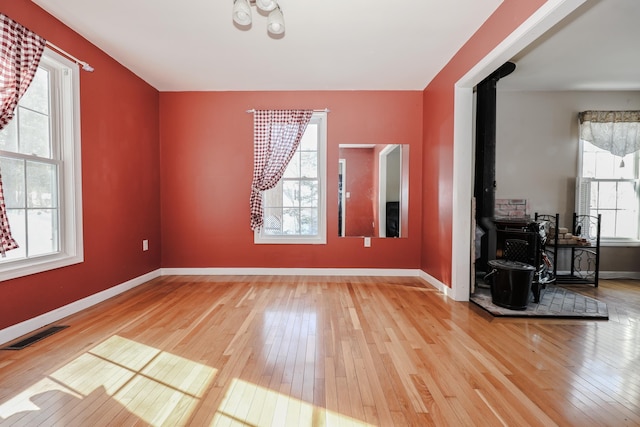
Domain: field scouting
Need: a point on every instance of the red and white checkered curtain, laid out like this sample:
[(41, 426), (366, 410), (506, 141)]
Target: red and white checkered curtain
[(20, 53), (277, 134)]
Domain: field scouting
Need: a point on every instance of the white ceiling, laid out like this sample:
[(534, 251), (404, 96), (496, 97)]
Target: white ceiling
[(348, 45), (193, 45), (595, 48)]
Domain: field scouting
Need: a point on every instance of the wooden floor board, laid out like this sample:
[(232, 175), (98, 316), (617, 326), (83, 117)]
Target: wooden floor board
[(315, 351)]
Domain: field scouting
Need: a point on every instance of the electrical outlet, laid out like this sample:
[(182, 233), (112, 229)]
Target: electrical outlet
[(367, 242), (145, 245)]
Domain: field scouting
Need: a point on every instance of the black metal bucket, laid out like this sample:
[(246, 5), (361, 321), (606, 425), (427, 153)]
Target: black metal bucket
[(510, 283)]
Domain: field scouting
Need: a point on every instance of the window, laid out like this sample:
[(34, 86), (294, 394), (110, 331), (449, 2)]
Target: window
[(608, 188), (40, 164), (294, 210)]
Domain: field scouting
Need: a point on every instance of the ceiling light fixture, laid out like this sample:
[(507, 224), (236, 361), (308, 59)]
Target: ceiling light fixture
[(266, 5), (242, 14)]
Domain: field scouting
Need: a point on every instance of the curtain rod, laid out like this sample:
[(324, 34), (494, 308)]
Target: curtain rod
[(85, 66), (325, 110)]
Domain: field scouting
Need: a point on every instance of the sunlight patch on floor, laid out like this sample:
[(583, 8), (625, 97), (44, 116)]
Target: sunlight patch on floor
[(247, 404), (28, 400), (156, 386), (161, 388)]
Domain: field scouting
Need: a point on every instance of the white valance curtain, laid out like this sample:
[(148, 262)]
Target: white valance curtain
[(618, 132)]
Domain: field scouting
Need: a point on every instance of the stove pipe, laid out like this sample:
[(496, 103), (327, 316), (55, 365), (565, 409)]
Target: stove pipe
[(485, 165)]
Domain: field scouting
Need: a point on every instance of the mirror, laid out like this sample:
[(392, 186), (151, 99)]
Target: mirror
[(373, 190)]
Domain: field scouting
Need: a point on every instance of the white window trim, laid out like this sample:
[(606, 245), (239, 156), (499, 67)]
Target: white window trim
[(70, 176), (580, 209), (319, 117), (622, 243)]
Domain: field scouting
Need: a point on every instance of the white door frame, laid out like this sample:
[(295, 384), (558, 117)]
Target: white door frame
[(542, 20), (382, 187)]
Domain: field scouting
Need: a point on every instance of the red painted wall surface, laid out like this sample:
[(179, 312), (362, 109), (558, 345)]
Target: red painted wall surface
[(359, 185), (200, 207), (207, 164), (120, 179), (437, 164)]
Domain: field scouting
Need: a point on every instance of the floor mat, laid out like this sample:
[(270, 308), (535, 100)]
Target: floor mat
[(555, 302)]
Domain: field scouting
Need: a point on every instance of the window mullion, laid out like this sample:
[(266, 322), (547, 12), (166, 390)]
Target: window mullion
[(617, 209), (637, 204), (30, 157), (598, 197), (25, 202)]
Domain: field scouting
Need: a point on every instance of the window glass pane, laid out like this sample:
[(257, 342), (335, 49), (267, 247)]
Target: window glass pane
[(627, 224), (34, 133), (309, 193), (293, 168), (309, 221), (309, 141), (608, 195), (273, 196), (608, 224), (16, 219), (13, 182), (43, 231), (604, 164), (9, 137), (309, 164), (291, 221), (37, 96), (599, 163), (291, 193), (272, 221), (42, 185), (628, 171), (627, 198)]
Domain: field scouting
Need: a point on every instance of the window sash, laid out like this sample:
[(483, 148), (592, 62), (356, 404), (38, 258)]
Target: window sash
[(612, 212), (24, 231)]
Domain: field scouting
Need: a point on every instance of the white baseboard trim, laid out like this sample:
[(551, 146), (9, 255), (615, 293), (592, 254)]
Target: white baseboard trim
[(635, 275), (23, 328), (378, 272), (441, 286)]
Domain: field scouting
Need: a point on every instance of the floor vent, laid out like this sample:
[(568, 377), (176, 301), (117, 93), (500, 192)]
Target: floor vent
[(34, 338)]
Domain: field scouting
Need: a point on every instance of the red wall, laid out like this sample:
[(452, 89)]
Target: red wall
[(437, 157), (360, 205), (207, 163), (120, 179), (200, 207)]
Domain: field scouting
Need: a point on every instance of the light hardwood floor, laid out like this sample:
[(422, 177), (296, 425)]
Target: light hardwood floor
[(314, 351)]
